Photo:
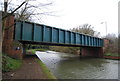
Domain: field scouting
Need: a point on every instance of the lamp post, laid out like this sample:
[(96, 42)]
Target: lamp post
[(105, 26)]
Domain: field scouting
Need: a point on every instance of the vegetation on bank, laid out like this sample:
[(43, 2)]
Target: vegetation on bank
[(34, 50), (111, 54), (10, 64), (65, 49), (45, 70)]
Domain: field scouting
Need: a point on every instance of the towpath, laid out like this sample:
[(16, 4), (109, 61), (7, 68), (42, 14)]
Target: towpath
[(30, 70)]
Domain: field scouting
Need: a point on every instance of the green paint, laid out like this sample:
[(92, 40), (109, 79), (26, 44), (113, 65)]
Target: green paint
[(28, 31)]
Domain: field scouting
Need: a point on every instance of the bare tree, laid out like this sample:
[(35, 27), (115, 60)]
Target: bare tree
[(25, 11), (31, 10), (86, 29), (3, 20)]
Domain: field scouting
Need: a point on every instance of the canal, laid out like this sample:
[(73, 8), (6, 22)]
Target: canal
[(69, 66)]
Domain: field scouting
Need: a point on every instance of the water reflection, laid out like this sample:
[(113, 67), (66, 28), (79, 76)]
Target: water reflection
[(69, 66)]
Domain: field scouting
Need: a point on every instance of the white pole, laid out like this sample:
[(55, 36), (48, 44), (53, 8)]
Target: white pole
[(105, 26)]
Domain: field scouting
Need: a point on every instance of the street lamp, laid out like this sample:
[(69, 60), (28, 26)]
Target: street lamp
[(105, 26)]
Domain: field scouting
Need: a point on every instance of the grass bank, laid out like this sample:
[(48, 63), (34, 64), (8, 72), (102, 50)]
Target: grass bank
[(46, 71), (34, 50), (111, 54), (114, 56), (10, 64)]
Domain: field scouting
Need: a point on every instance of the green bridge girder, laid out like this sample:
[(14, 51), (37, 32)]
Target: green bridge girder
[(28, 32)]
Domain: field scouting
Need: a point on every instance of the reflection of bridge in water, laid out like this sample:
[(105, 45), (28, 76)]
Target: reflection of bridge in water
[(32, 33)]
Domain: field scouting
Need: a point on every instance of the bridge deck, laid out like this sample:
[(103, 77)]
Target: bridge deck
[(27, 32)]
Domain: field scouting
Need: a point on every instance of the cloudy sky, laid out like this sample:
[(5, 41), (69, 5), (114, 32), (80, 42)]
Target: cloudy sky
[(72, 13), (77, 12)]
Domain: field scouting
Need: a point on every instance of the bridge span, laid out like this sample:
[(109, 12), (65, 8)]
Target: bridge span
[(27, 32), (33, 33)]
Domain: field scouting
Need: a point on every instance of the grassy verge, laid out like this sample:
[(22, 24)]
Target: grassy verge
[(111, 54), (45, 70), (10, 64), (34, 50)]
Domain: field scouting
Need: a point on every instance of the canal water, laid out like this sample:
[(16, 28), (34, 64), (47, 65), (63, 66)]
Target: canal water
[(69, 66)]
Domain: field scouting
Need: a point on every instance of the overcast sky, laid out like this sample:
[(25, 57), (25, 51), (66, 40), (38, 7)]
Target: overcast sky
[(72, 13), (77, 12)]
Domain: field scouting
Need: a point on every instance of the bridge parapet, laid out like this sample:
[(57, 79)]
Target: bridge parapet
[(27, 32)]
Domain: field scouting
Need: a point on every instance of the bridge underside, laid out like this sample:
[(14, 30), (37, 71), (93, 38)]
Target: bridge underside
[(86, 51), (55, 44)]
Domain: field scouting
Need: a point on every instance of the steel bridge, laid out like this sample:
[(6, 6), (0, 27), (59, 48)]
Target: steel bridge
[(33, 33), (27, 32)]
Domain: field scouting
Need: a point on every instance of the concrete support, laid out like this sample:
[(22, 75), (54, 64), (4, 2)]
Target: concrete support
[(92, 52)]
